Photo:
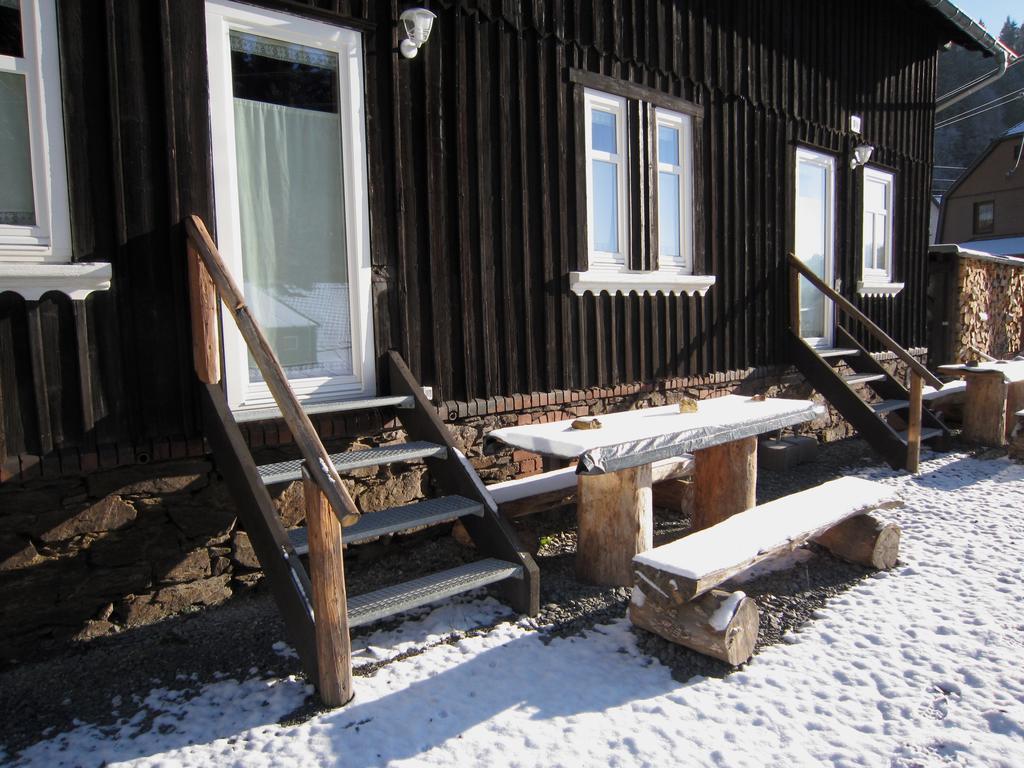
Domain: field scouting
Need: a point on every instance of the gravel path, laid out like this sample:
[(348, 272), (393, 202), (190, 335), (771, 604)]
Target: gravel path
[(238, 639)]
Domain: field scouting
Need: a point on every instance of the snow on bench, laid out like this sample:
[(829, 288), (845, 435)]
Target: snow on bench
[(555, 487), (949, 389), (688, 567)]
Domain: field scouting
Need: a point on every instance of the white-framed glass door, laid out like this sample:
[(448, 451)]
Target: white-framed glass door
[(289, 157), (814, 241)]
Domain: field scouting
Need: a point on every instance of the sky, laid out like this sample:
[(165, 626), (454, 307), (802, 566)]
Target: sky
[(992, 12)]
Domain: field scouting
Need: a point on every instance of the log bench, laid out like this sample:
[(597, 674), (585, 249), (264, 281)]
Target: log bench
[(675, 593), (557, 488)]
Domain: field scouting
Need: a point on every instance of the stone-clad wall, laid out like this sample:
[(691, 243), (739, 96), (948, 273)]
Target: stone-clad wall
[(990, 315), (88, 555)]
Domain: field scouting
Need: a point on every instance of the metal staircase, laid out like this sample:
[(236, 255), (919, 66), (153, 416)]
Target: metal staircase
[(849, 393), (312, 599)]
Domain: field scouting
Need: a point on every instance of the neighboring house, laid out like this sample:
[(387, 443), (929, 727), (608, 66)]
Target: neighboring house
[(984, 209), (554, 207)]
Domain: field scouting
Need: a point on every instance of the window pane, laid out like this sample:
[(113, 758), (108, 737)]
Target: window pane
[(880, 243), (602, 131), (869, 240), (606, 207), (668, 214), (17, 205), (875, 195), (10, 29), (291, 203), (668, 145)]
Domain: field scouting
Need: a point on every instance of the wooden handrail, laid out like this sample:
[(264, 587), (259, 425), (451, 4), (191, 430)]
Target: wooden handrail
[(318, 462), (844, 304)]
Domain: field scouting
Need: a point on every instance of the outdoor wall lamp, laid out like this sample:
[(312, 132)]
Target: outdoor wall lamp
[(861, 155), (417, 23)]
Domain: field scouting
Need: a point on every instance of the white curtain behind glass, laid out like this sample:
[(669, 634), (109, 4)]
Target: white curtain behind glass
[(291, 208)]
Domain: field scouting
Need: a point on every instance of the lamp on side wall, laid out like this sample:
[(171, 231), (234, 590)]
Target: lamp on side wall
[(417, 23), (861, 155)]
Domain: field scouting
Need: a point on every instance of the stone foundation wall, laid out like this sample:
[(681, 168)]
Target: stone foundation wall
[(88, 555), (990, 315)]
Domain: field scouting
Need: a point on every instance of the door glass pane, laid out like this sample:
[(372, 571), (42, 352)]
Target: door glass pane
[(874, 196), (10, 29), (291, 203), (869, 240), (17, 204), (668, 145), (668, 214), (880, 242), (602, 131), (811, 242)]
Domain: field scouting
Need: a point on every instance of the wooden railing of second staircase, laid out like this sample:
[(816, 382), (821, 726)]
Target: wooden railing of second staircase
[(328, 503), (918, 373)]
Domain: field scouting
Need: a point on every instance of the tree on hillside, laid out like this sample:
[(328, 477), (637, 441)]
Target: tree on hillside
[(960, 142)]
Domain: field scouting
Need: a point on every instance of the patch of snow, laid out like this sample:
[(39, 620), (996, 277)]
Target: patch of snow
[(638, 598), (917, 668), (723, 614)]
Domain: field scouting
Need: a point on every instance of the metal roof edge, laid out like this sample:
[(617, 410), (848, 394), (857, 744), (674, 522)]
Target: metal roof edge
[(988, 42)]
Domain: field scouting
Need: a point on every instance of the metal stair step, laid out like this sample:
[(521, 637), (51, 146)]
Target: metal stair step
[(374, 524), (284, 471), (364, 609), (887, 406), (927, 433), (862, 378), (837, 352), (312, 409)]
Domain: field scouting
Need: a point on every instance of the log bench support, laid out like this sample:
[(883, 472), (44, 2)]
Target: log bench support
[(676, 595)]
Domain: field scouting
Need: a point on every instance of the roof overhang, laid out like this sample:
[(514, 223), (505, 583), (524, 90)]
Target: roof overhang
[(969, 33)]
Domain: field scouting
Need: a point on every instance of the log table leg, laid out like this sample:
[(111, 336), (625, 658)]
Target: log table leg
[(615, 521), (985, 409), (1014, 403), (724, 481)]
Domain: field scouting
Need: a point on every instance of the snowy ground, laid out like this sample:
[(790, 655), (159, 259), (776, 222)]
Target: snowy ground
[(916, 667)]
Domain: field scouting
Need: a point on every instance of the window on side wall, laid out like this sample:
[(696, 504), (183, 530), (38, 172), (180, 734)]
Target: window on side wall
[(638, 158), (877, 233), (984, 217), (33, 192)]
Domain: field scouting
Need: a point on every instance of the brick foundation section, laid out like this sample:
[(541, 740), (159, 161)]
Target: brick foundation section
[(87, 555)]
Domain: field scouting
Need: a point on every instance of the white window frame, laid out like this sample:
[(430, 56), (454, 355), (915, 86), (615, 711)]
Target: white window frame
[(683, 263), (49, 239), (604, 102), (223, 16), (877, 281), (609, 272)]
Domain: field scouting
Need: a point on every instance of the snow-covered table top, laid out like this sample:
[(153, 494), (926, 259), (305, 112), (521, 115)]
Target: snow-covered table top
[(1012, 370), (632, 438)]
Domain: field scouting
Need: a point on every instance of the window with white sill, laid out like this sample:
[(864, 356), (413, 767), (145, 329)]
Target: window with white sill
[(877, 234), (35, 232), (654, 208)]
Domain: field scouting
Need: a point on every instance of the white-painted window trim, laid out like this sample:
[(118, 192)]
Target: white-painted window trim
[(682, 264), (221, 17), (877, 281), (609, 272), (49, 240), (603, 102)]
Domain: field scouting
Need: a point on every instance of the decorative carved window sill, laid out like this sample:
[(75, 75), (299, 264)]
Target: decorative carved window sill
[(76, 281), (878, 289), (598, 282)]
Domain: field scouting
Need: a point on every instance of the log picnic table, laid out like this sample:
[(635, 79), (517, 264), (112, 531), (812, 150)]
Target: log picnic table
[(614, 500), (995, 392)]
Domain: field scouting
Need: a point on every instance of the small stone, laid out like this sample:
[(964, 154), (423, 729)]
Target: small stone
[(242, 551), (109, 514), (93, 629), (291, 505), (179, 597), (193, 565), (220, 565), (17, 552), (200, 522)]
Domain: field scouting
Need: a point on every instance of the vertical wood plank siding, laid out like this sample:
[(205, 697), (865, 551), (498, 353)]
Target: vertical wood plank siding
[(474, 177)]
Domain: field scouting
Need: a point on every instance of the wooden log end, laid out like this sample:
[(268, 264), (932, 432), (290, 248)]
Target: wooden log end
[(865, 540), (718, 623)]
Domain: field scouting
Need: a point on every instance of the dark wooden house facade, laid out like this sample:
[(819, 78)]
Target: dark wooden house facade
[(472, 178)]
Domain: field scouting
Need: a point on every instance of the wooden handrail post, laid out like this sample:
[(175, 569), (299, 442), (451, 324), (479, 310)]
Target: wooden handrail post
[(202, 295), (914, 425), (330, 611), (794, 300)]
